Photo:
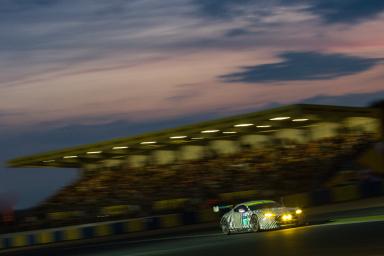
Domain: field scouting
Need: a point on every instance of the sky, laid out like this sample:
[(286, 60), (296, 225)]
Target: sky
[(75, 72)]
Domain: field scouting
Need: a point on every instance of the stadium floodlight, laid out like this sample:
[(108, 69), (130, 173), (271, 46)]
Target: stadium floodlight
[(229, 132), (243, 125), (300, 120), (120, 147), (93, 152), (263, 126), (178, 137), (210, 131), (68, 157), (279, 118), (148, 142), (48, 161)]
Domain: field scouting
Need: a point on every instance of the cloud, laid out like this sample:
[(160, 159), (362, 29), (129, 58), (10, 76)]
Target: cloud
[(346, 11), (238, 32), (330, 11), (220, 8), (303, 66)]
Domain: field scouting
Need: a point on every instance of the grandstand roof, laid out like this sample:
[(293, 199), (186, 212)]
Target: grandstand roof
[(300, 116)]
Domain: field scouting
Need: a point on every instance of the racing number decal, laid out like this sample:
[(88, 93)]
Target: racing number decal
[(245, 219)]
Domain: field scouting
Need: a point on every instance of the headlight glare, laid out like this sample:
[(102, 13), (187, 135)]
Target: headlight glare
[(287, 217), (299, 211)]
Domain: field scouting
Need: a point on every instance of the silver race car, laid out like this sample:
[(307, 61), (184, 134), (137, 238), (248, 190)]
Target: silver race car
[(258, 215)]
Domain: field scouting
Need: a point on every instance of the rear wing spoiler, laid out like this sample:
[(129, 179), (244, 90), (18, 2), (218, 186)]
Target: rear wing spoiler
[(222, 208)]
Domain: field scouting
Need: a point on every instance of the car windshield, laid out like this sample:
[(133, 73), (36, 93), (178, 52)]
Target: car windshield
[(263, 206)]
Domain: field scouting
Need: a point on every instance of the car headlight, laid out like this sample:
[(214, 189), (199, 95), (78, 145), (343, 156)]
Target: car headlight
[(287, 217), (299, 211)]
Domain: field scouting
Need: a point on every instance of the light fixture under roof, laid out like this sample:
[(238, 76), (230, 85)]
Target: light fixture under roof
[(148, 142), (178, 137), (120, 147), (68, 157), (210, 131), (197, 138), (279, 118), (48, 161), (263, 126), (300, 120), (93, 152), (229, 132), (242, 125)]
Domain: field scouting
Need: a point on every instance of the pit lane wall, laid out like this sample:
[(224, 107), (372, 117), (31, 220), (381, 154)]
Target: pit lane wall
[(163, 222)]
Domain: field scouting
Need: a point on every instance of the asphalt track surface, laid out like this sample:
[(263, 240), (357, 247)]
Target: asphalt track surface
[(350, 233)]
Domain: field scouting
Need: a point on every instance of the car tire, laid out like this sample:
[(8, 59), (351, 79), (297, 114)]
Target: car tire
[(225, 228), (254, 223)]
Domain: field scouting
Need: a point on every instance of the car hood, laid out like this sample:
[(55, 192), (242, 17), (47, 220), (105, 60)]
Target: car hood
[(277, 210)]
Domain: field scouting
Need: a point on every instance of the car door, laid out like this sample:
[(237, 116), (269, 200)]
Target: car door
[(239, 217)]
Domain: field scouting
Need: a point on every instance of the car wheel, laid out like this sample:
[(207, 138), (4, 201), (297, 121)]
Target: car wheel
[(255, 227), (225, 228)]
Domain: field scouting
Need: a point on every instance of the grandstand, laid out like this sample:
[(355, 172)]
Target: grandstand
[(270, 153)]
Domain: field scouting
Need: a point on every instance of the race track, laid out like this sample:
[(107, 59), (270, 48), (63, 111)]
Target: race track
[(350, 235)]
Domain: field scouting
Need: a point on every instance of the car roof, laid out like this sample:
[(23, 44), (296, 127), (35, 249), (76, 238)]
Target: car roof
[(256, 202)]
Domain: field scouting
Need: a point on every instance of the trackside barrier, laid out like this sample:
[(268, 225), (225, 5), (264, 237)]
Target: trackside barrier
[(319, 197), (40, 237)]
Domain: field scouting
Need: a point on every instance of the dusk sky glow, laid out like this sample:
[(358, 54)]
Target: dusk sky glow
[(75, 72)]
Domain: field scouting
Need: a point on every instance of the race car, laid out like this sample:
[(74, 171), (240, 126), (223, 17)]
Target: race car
[(258, 215)]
